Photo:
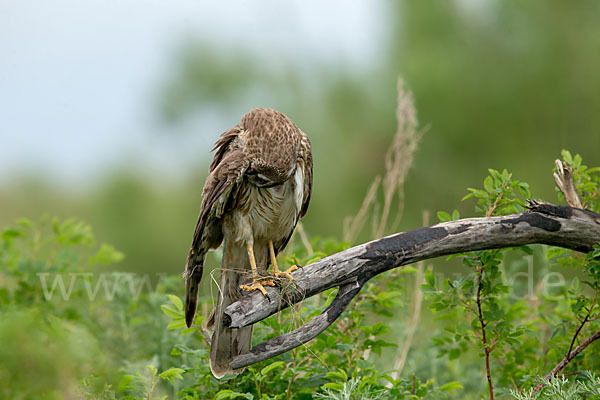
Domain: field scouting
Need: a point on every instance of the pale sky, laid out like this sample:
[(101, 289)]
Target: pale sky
[(79, 79)]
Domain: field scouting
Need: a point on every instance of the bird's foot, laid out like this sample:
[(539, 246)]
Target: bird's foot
[(285, 274), (258, 284)]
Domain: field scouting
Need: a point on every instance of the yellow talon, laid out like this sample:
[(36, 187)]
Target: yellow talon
[(258, 285), (286, 273), (276, 272), (258, 282)]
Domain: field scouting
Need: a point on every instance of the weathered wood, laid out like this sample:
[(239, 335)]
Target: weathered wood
[(560, 226), (566, 183), (306, 332)]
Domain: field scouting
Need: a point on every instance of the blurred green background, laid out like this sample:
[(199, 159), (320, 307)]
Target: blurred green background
[(499, 84), (109, 111)]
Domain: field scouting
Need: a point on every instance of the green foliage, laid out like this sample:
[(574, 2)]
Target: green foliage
[(587, 386), (85, 331), (81, 330), (106, 335), (333, 364), (46, 336), (482, 302), (499, 194)]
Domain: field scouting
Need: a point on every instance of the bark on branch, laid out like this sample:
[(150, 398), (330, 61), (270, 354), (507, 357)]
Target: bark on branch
[(561, 226), (565, 181)]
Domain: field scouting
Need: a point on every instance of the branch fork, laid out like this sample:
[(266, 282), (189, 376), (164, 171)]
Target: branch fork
[(561, 226)]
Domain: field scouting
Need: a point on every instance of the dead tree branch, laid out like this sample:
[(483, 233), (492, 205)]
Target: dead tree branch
[(561, 226), (565, 181)]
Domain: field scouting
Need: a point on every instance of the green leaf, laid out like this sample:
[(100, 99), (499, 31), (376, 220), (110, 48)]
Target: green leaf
[(566, 155), (223, 394), (574, 286), (176, 301), (495, 174), (171, 311), (271, 367), (337, 386), (524, 188), (408, 269), (480, 194), (230, 394), (107, 254), (488, 184), (72, 232), (430, 278), (228, 377), (455, 215), (340, 374), (516, 334), (171, 374), (125, 383), (25, 223), (443, 216), (454, 354), (176, 324), (9, 233), (526, 250), (450, 386)]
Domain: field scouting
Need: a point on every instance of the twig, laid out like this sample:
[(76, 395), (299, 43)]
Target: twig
[(494, 206), (486, 348), (566, 360), (579, 330)]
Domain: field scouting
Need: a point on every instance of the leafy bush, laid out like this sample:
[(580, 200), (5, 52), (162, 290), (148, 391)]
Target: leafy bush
[(73, 327)]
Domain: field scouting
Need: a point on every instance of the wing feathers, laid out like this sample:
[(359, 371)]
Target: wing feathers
[(308, 175), (222, 145), (216, 200), (266, 138)]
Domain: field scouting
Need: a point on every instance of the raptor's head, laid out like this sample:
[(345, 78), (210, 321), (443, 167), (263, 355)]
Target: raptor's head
[(272, 142)]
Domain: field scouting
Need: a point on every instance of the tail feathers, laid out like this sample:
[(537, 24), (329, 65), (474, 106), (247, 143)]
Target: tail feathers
[(193, 276), (227, 343)]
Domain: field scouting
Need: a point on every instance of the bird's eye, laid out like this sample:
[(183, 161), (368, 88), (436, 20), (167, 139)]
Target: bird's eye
[(260, 180)]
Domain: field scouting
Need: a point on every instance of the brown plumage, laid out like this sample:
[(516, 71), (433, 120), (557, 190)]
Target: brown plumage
[(259, 185)]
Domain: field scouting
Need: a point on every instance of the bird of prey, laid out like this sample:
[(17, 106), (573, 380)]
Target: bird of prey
[(259, 185)]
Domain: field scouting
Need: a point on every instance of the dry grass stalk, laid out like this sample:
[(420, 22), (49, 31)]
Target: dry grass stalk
[(304, 239), (417, 302), (398, 160), (353, 225)]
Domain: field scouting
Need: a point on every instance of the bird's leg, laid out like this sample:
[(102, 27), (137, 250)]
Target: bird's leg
[(258, 283), (276, 272)]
